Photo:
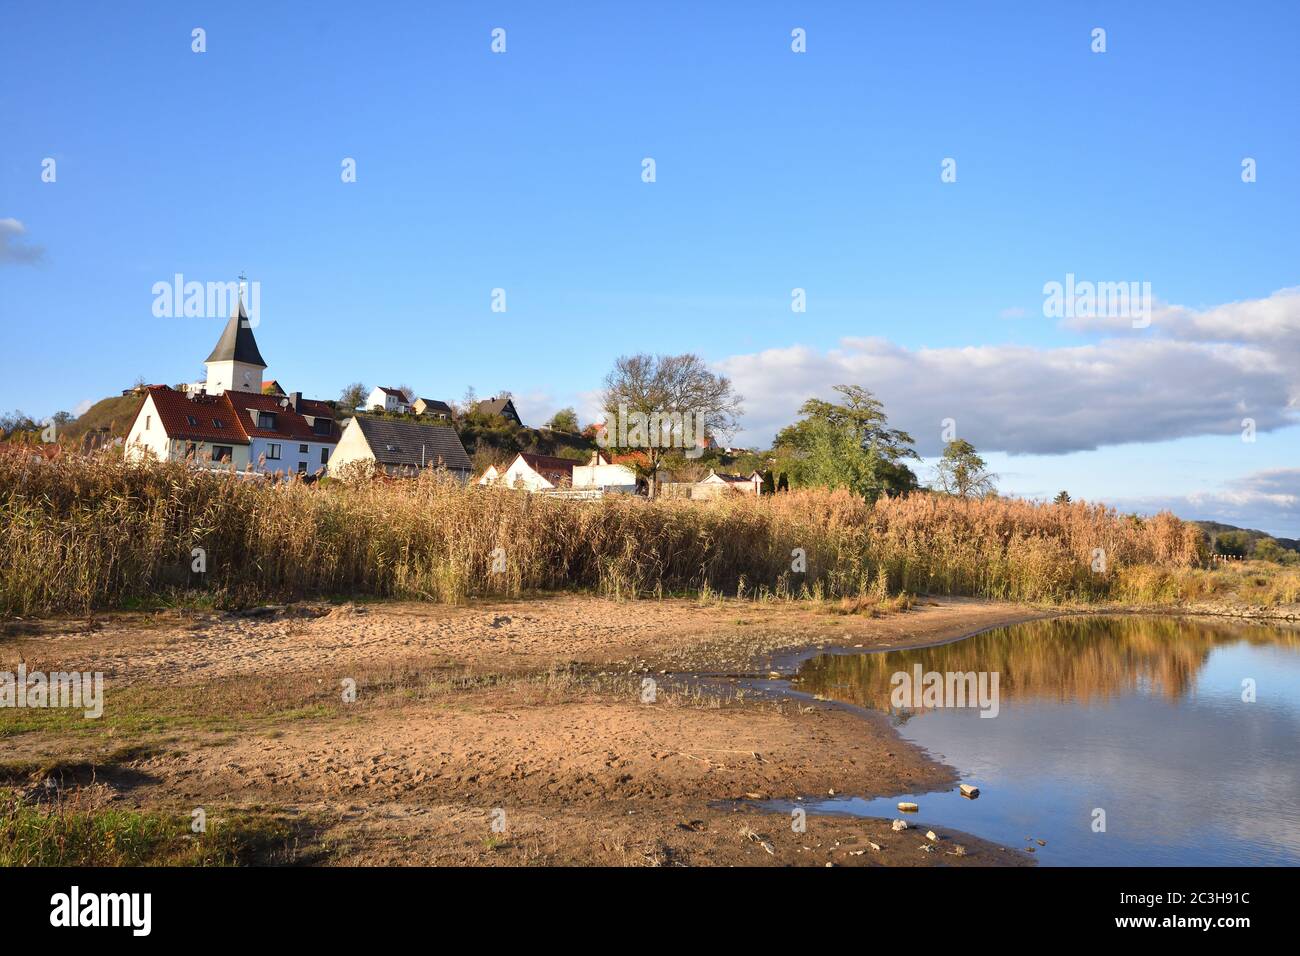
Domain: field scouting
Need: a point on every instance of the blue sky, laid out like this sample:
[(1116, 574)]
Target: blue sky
[(775, 170)]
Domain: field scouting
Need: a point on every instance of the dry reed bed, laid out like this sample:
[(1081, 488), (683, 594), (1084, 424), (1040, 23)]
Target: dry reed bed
[(84, 533)]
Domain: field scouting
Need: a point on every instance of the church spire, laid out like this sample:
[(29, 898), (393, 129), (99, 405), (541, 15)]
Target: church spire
[(237, 343)]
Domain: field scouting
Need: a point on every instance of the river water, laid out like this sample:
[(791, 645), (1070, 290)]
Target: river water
[(1123, 741)]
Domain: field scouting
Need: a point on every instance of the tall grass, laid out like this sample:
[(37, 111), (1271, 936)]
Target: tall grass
[(82, 533)]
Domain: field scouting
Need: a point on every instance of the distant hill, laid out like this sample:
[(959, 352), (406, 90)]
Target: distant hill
[(1213, 529), (115, 414)]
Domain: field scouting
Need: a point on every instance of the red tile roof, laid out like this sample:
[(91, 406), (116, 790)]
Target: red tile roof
[(195, 418), (289, 424)]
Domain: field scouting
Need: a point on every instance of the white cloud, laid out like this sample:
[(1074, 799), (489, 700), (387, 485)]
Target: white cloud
[(1268, 500), (1193, 373), (1274, 320), (12, 250)]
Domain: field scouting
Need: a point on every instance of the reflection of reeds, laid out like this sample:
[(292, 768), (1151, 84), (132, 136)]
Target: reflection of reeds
[(1076, 659), (79, 533)]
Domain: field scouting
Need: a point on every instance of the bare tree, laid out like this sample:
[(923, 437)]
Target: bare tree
[(352, 396), (655, 401)]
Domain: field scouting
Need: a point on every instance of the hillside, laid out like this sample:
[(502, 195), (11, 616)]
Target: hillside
[(1213, 529), (115, 414)]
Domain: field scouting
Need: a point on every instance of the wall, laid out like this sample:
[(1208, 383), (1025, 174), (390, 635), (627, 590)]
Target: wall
[(352, 447)]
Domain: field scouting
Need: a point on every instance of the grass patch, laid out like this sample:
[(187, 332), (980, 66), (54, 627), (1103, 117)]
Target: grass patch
[(68, 834)]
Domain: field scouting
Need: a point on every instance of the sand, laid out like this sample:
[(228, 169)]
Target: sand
[(529, 709)]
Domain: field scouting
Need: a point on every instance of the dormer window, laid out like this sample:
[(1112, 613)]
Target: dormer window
[(322, 426), (266, 420)]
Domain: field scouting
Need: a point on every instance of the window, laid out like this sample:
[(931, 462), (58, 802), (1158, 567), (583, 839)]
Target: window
[(266, 420), (302, 449), (322, 426), (324, 455), (147, 420), (191, 419), (191, 449), (216, 423), (222, 453), (302, 468), (273, 452)]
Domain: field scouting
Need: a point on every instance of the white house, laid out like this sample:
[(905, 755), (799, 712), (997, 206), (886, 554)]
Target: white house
[(388, 399), (221, 424), (715, 485), (532, 473), (599, 473)]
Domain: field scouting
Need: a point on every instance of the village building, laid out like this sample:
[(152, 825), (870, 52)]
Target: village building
[(600, 474), (548, 473), (431, 408), (235, 362), (504, 407), (715, 485), (399, 448), (228, 421), (385, 399), (532, 473)]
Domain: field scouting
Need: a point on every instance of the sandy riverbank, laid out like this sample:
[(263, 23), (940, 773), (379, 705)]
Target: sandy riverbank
[(533, 707)]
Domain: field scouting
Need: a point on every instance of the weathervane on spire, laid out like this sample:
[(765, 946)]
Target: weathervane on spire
[(243, 280)]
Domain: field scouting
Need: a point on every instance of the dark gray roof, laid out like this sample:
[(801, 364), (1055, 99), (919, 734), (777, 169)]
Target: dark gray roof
[(434, 405), (496, 406), (237, 342), (397, 442)]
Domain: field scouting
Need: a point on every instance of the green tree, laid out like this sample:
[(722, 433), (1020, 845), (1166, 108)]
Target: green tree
[(1062, 498), (1267, 549), (847, 445), (1235, 544), (962, 472), (565, 420)]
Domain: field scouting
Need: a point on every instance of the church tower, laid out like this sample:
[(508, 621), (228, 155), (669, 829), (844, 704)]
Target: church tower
[(235, 363)]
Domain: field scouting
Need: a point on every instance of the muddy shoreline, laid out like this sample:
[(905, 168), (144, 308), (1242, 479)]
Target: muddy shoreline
[(528, 711)]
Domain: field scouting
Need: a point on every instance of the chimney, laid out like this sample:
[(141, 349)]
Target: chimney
[(294, 399)]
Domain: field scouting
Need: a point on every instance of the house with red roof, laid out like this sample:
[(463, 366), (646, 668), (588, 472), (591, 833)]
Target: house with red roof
[(387, 399), (230, 421)]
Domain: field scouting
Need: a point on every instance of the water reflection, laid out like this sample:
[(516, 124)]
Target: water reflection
[(1142, 717), (1080, 660)]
